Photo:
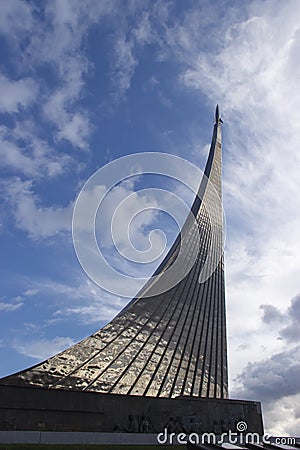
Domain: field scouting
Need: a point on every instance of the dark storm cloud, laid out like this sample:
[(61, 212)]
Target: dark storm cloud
[(270, 314), (272, 378), (278, 376), (291, 332), (290, 321), (294, 309)]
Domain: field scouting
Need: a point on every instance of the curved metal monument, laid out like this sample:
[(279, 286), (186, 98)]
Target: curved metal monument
[(161, 364), (166, 345)]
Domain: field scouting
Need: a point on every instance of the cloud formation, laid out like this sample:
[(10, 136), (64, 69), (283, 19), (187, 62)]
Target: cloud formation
[(275, 380), (16, 94), (38, 221), (23, 152), (43, 348)]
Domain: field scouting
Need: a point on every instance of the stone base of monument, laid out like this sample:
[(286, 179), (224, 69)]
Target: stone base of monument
[(39, 409)]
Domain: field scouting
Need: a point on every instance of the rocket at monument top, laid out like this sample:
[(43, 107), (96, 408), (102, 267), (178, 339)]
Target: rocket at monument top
[(217, 116)]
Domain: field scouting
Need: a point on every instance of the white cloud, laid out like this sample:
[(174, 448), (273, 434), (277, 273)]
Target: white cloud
[(145, 235), (83, 300), (88, 303), (16, 94), (61, 44), (76, 130), (43, 348), (130, 40), (5, 306), (22, 151), (30, 292), (15, 18), (12, 156), (124, 63), (53, 42), (38, 221), (136, 210), (15, 303)]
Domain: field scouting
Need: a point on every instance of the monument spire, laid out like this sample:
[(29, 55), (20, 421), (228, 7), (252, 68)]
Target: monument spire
[(217, 116), (167, 345)]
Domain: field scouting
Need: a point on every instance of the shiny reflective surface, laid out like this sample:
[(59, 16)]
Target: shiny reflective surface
[(167, 345)]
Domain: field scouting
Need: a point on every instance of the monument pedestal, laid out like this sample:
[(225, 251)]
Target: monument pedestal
[(32, 408)]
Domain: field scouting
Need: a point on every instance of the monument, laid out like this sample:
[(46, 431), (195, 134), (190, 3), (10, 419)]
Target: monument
[(161, 362)]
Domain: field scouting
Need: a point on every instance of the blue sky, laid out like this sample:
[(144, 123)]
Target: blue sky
[(83, 83)]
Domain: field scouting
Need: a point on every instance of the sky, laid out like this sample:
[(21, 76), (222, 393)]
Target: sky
[(85, 82)]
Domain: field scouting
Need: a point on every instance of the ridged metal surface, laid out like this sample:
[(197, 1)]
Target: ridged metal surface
[(168, 345)]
